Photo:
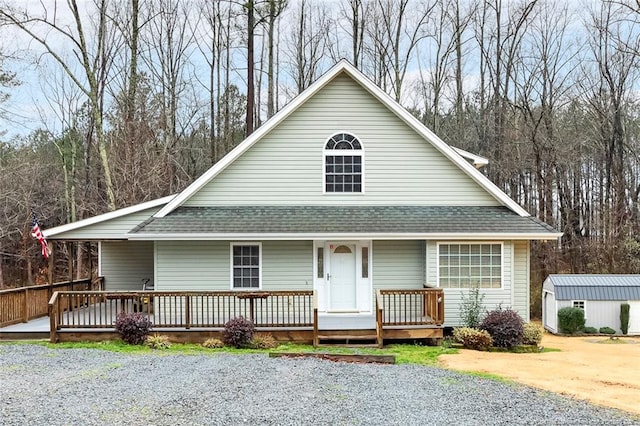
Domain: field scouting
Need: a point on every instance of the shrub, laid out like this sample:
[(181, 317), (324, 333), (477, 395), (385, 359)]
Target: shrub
[(590, 330), (472, 338), (263, 341), (238, 332), (471, 308), (607, 330), (624, 317), (505, 327), (531, 334), (158, 341), (213, 344), (570, 320), (133, 327), (447, 342)]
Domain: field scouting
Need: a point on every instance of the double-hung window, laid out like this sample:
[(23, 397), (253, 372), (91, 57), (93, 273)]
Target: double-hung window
[(343, 164), (470, 265), (245, 265)]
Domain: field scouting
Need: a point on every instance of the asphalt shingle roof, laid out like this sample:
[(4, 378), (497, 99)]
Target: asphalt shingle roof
[(596, 287), (343, 220)]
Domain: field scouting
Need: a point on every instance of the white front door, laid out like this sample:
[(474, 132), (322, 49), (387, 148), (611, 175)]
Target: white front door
[(342, 277)]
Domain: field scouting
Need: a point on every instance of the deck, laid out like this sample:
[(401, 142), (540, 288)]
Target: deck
[(196, 316)]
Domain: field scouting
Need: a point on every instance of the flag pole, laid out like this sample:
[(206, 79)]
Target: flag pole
[(50, 269)]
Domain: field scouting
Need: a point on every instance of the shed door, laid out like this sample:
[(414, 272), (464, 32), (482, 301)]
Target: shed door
[(634, 317), (550, 314)]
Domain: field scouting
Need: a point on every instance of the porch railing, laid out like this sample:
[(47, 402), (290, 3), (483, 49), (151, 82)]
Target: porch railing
[(26, 303), (187, 310), (409, 308)]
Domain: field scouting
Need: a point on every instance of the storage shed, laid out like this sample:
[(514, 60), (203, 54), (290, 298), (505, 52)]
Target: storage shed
[(600, 295)]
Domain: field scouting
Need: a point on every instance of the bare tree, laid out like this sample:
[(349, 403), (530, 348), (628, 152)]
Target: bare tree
[(93, 59), (275, 9), (307, 42), (400, 27)]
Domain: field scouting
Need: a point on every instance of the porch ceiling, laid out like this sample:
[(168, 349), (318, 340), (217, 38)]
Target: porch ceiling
[(345, 220)]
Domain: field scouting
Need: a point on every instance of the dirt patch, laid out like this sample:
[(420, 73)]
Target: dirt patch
[(585, 368)]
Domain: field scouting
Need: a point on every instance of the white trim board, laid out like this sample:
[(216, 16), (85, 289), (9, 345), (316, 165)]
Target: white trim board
[(106, 216), (345, 67), (321, 236)]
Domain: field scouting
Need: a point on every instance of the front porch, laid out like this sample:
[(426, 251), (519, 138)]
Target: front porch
[(197, 316)]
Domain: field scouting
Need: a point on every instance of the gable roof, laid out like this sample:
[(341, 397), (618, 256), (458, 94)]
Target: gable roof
[(596, 287), (455, 156), (379, 222), (53, 232)]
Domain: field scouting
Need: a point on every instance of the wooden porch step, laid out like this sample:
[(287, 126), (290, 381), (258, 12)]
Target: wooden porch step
[(347, 337)]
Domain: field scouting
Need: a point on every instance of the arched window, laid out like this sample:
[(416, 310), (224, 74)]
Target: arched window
[(343, 164)]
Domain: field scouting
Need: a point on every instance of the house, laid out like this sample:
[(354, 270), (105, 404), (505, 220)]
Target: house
[(342, 193), (600, 296)]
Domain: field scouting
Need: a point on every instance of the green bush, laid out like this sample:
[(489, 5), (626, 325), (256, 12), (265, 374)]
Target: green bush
[(590, 330), (505, 327), (531, 334), (607, 330), (624, 317), (472, 338), (570, 320), (238, 332), (471, 308), (133, 327)]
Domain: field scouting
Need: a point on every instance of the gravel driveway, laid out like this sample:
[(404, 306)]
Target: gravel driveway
[(41, 386)]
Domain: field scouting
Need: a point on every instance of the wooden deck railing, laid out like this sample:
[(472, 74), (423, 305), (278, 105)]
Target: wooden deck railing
[(183, 309), (409, 307), (26, 303)]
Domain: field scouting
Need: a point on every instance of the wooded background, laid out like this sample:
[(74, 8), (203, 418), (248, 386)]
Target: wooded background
[(142, 96)]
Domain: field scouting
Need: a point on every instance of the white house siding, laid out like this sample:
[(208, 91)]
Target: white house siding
[(124, 264), (398, 264), (287, 265), (634, 317), (206, 265), (110, 229), (286, 165), (603, 313), (598, 313), (521, 284), (492, 297)]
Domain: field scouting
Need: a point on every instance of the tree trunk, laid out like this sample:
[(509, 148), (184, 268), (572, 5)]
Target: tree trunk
[(250, 80)]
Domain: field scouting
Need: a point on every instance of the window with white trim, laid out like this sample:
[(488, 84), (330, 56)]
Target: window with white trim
[(343, 164), (245, 266), (578, 304), (470, 265)]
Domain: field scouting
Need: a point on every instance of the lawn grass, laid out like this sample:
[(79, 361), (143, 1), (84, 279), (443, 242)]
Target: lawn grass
[(488, 376), (612, 341), (404, 353)]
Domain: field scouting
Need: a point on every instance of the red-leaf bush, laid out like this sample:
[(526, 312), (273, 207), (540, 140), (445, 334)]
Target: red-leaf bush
[(505, 327), (133, 327), (238, 332)]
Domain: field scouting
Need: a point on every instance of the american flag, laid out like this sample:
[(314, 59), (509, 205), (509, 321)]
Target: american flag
[(37, 234)]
